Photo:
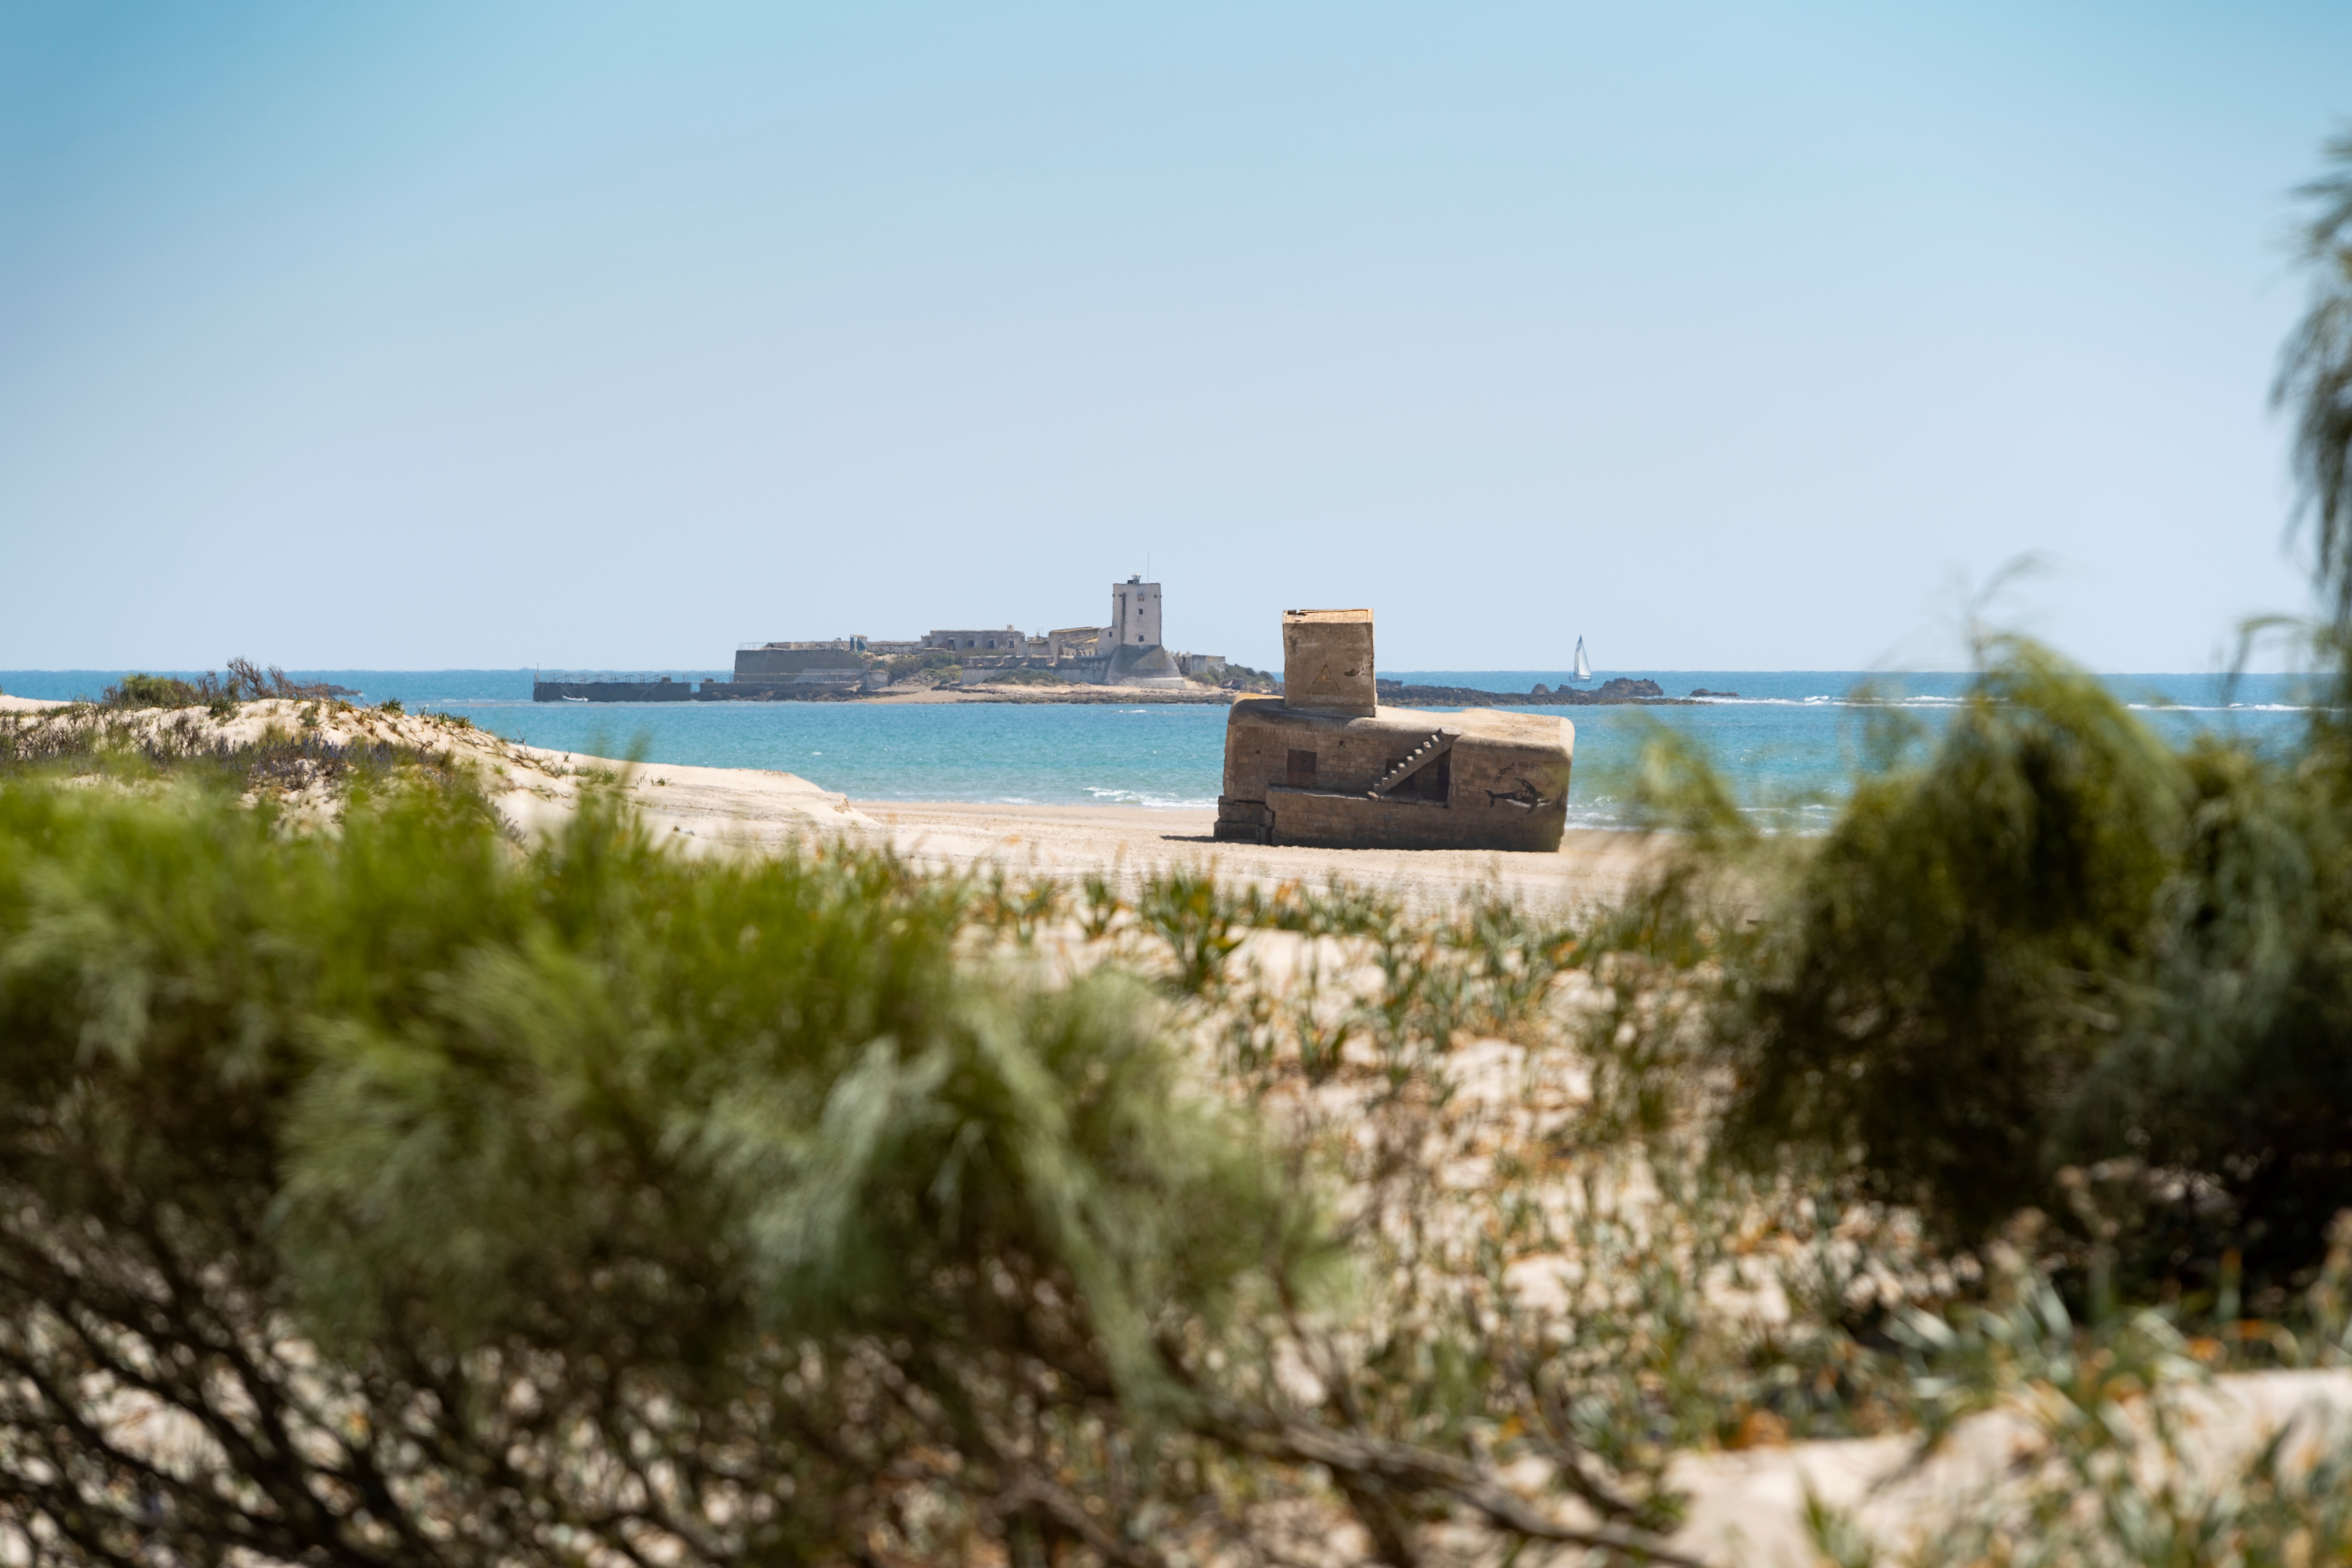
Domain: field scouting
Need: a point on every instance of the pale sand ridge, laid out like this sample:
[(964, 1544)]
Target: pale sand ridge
[(702, 809)]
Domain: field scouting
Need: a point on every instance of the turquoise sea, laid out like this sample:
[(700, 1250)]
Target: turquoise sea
[(1788, 742)]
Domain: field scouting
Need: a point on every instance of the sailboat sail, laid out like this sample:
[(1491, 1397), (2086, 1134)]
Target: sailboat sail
[(1583, 665)]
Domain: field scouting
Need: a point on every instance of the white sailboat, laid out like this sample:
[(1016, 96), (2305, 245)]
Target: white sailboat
[(1583, 665)]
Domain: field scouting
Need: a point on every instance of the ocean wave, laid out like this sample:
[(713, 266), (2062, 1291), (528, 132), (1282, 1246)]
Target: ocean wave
[(1827, 699), (2219, 708), (1116, 796)]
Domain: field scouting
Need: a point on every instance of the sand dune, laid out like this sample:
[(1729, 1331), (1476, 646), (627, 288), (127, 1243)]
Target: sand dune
[(704, 809)]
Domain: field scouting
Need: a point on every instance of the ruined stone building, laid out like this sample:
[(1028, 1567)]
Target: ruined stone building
[(1129, 651), (1324, 764), (1009, 640)]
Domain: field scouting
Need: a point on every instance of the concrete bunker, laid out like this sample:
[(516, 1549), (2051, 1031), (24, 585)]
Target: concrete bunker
[(1324, 764)]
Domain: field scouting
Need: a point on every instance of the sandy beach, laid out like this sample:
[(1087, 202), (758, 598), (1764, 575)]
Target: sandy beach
[(715, 809), (707, 810), (1073, 840)]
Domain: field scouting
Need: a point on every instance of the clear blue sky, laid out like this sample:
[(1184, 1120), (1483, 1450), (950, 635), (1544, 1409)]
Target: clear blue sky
[(1723, 335)]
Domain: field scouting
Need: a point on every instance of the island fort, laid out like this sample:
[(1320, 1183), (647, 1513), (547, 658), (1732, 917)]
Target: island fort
[(1127, 652)]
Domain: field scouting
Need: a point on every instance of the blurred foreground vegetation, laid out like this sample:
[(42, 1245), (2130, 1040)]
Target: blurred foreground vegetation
[(398, 1192), (395, 1195)]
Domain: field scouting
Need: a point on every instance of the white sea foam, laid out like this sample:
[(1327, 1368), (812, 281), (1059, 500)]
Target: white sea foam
[(2218, 708), (1826, 700), (1114, 796)]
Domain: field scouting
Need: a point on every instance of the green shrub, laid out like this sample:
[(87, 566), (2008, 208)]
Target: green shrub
[(433, 1199), (1199, 919), (938, 660), (1963, 947), (1250, 679), (243, 682), (2053, 945), (594, 1177), (154, 692), (2233, 1065)]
